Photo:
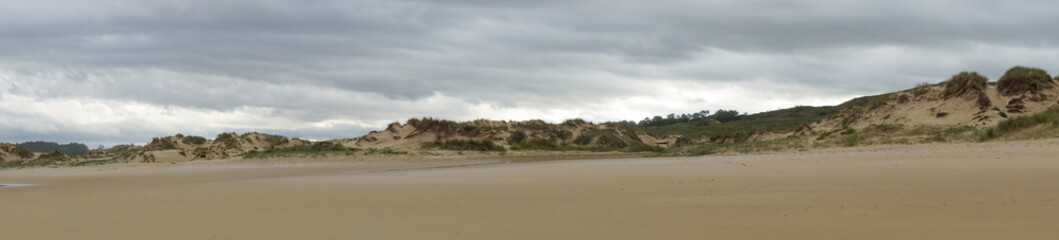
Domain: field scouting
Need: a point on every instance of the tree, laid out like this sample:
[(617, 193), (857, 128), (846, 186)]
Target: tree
[(725, 115)]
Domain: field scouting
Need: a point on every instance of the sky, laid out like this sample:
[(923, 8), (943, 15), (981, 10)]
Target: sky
[(107, 72)]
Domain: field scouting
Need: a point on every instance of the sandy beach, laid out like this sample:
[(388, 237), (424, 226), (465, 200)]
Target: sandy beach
[(960, 191)]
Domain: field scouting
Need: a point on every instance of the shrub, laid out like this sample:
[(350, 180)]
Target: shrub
[(904, 99), (640, 147), (275, 140), (574, 122), (384, 151), (443, 127), (725, 115), (878, 101), (964, 83), (19, 151), (590, 137), (160, 144), (468, 145), (1019, 80), (327, 146), (611, 140), (413, 122), (535, 124), (193, 140), (1018, 123), (228, 140), (562, 134), (54, 156), (539, 144), (516, 137), (850, 141), (921, 89)]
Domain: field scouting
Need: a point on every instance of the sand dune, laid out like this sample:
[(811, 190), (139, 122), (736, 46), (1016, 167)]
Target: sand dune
[(971, 191)]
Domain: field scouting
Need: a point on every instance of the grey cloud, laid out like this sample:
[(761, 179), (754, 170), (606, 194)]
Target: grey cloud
[(378, 61)]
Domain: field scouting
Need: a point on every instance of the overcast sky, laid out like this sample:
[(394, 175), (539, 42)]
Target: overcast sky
[(109, 71)]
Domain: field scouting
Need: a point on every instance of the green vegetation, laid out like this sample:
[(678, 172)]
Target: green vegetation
[(1019, 80), (17, 150), (1032, 74), (229, 140), (703, 117), (449, 127), (317, 149), (516, 137), (384, 151), (921, 89), (42, 146), (879, 101), (193, 140), (22, 164), (161, 144), (464, 145), (94, 162), (574, 122), (272, 140), (538, 144), (872, 135), (963, 83), (1049, 120), (54, 156), (780, 120), (622, 139), (534, 125), (33, 164)]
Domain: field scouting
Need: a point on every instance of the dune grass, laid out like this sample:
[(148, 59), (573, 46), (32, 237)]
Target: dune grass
[(1017, 126), (464, 145), (317, 149), (384, 151), (872, 135), (36, 164)]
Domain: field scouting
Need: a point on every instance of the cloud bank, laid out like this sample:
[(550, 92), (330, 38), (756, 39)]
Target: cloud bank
[(112, 72)]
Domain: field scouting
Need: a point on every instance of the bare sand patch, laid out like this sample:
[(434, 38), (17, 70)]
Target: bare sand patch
[(965, 191)]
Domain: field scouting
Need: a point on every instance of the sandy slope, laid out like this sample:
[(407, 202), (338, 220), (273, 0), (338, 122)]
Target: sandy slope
[(972, 191)]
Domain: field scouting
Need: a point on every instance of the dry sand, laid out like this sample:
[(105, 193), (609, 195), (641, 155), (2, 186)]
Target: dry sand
[(969, 191)]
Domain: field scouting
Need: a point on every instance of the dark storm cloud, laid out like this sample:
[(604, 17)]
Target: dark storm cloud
[(314, 61)]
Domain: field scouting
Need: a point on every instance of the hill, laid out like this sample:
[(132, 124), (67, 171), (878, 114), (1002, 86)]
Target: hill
[(782, 120), (42, 146), (576, 134), (966, 107), (966, 99), (14, 153)]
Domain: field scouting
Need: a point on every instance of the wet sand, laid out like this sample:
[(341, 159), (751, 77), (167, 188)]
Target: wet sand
[(968, 191)]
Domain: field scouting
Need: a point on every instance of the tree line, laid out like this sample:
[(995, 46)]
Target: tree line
[(42, 146), (721, 115)]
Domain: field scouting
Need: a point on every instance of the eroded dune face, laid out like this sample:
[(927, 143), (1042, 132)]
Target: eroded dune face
[(964, 100), (529, 135), (11, 152)]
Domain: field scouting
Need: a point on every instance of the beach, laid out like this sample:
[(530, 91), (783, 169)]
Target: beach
[(1002, 190)]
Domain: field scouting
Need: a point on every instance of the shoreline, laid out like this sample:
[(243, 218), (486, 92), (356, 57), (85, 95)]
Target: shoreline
[(938, 191)]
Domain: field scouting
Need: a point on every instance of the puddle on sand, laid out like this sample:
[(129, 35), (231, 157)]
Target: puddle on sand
[(3, 185)]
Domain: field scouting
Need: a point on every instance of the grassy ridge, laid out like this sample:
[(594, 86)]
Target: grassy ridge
[(313, 150), (780, 120), (1014, 127), (872, 135), (32, 164), (464, 145)]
